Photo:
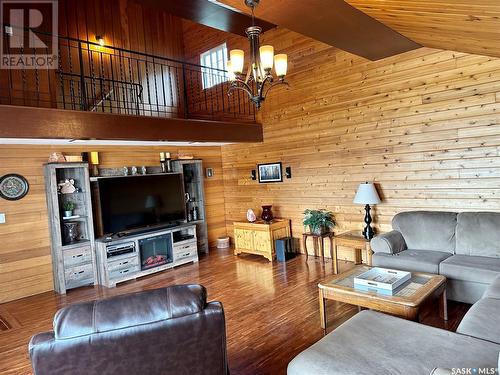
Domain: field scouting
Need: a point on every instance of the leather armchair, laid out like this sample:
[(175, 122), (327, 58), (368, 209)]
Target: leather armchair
[(164, 331)]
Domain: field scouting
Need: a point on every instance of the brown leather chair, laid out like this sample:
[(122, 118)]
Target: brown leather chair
[(164, 331)]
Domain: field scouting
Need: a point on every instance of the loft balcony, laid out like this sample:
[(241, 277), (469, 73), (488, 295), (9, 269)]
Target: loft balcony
[(104, 92)]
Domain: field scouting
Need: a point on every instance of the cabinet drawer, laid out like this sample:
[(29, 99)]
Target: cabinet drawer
[(123, 263), (79, 276), (123, 272), (78, 256), (187, 252), (189, 247)]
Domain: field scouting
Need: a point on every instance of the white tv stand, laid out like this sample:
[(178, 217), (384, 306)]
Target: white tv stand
[(134, 256)]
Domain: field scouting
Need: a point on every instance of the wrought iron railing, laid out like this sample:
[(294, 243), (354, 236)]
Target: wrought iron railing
[(90, 77)]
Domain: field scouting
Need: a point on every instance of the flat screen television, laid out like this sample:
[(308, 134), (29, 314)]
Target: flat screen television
[(131, 203)]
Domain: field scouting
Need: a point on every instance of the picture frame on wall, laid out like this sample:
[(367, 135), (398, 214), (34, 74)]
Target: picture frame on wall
[(270, 172)]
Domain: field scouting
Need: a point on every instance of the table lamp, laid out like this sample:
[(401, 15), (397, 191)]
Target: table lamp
[(367, 194)]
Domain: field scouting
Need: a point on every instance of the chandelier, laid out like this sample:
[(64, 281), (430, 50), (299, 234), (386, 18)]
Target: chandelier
[(259, 79)]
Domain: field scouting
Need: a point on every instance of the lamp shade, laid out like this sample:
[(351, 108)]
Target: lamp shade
[(230, 73), (366, 194), (266, 57), (280, 64), (237, 57), (94, 158)]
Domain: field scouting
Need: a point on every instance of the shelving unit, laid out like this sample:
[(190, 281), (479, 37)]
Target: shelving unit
[(192, 171), (73, 262)]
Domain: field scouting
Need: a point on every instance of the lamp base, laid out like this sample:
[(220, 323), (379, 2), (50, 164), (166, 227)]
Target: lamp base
[(368, 231)]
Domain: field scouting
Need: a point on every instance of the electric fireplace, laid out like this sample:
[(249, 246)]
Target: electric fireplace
[(156, 251)]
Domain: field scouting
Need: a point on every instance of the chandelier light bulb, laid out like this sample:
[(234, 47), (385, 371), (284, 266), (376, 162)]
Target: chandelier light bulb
[(280, 64), (266, 57), (237, 57)]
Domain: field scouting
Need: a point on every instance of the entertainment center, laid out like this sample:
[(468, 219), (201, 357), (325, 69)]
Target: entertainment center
[(143, 223), (139, 255)]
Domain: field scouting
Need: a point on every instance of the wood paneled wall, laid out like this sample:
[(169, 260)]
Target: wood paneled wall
[(424, 125), (25, 261), (123, 24)]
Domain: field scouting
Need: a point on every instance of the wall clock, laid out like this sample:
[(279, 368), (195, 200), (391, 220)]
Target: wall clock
[(13, 187)]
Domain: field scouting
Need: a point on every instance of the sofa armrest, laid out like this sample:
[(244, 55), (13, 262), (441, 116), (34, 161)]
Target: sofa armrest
[(390, 243)]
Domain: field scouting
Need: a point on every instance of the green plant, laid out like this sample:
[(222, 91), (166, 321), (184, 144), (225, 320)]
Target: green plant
[(317, 220), (68, 206)]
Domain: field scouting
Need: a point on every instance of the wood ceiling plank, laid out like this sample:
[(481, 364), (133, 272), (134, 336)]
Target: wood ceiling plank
[(335, 23), (209, 14), (460, 25)]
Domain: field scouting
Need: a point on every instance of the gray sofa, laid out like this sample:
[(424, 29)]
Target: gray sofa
[(464, 247), (372, 343)]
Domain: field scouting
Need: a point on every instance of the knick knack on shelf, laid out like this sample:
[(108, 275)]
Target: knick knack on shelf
[(267, 214), (251, 216)]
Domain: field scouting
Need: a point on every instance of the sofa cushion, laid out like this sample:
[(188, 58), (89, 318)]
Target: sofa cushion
[(493, 290), (482, 320), (129, 310), (478, 234), (427, 230), (470, 268), (372, 343), (411, 260)]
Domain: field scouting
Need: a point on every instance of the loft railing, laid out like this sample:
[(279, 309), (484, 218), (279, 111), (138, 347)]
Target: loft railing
[(90, 77)]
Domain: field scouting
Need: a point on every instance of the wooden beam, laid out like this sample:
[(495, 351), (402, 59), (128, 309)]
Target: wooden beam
[(30, 122), (335, 23), (209, 14)]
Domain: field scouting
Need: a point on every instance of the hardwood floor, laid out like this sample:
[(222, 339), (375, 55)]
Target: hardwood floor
[(271, 309)]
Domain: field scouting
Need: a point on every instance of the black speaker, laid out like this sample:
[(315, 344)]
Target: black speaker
[(288, 172), (254, 174)]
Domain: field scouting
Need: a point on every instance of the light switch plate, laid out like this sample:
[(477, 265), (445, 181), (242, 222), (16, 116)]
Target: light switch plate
[(2, 218)]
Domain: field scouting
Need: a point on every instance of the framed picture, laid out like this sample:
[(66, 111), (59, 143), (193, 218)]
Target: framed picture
[(270, 172)]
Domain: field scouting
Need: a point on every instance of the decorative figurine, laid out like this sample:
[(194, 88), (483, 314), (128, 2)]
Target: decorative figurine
[(67, 186), (251, 216)]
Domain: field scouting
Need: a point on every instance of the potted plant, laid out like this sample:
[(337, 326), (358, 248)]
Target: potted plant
[(68, 208), (319, 221)]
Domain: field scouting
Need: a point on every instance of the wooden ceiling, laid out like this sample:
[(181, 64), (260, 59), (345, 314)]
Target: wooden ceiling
[(207, 13), (333, 22), (471, 26)]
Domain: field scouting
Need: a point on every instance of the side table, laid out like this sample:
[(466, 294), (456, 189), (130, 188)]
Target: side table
[(356, 241), (318, 238)]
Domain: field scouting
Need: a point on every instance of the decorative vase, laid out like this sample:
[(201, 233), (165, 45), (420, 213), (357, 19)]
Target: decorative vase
[(68, 213), (251, 216), (318, 230), (70, 232), (267, 214)]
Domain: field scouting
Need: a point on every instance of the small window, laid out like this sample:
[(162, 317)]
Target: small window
[(214, 64)]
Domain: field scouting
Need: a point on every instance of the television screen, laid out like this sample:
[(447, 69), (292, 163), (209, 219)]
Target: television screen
[(133, 202)]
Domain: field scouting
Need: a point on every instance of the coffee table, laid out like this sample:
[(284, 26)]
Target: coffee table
[(405, 303)]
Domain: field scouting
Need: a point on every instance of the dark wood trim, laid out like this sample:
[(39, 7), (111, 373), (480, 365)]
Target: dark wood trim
[(31, 122), (209, 14)]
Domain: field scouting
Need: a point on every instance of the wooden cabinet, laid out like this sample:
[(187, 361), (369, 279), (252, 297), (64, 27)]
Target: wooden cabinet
[(258, 238)]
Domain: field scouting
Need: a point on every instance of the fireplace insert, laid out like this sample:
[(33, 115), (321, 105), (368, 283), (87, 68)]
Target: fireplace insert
[(156, 251)]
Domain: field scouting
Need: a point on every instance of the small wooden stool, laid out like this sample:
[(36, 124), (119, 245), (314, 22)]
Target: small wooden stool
[(318, 238)]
